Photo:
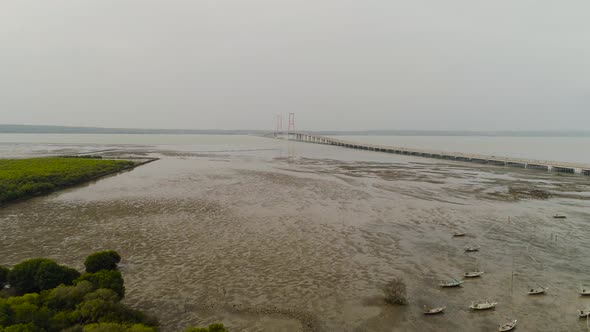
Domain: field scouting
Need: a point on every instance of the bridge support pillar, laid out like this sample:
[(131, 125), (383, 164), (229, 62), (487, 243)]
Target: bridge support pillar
[(563, 169), (492, 160), (539, 167), (515, 164)]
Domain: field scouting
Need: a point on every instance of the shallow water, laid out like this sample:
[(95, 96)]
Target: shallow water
[(267, 235), (564, 149)]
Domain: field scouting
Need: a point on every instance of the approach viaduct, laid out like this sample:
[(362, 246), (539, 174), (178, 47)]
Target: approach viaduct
[(562, 167)]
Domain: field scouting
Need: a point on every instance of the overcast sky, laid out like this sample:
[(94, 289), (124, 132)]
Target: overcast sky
[(338, 64)]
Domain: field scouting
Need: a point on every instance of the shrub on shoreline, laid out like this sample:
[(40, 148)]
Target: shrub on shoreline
[(211, 328), (51, 297), (35, 275), (105, 279), (395, 292), (102, 260), (3, 276)]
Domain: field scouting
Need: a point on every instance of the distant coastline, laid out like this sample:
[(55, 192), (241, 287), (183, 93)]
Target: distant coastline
[(34, 129)]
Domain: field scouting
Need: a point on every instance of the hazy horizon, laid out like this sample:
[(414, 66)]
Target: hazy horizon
[(339, 65), (50, 129)]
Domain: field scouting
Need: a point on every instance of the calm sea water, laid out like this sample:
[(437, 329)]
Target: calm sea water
[(566, 149)]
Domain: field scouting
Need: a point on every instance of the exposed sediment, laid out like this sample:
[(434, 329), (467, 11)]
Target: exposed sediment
[(306, 244)]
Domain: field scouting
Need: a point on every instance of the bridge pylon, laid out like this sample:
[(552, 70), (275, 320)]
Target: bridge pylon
[(291, 126), (278, 125)]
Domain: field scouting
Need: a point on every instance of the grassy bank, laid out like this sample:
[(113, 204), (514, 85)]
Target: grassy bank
[(23, 178)]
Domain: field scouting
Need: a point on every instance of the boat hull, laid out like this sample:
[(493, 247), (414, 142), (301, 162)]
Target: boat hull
[(450, 285), (537, 291), (507, 327), (434, 311), (483, 308), (473, 274)]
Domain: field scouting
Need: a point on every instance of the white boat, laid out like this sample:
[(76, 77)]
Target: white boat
[(559, 216), (482, 305), (474, 274), (471, 249), (537, 290), (452, 283), (585, 291), (508, 326), (458, 234), (584, 313), (433, 311)]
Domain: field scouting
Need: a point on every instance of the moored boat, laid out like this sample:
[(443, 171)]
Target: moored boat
[(482, 305), (473, 274), (451, 283), (585, 291), (434, 311), (584, 313), (537, 290), (508, 326)]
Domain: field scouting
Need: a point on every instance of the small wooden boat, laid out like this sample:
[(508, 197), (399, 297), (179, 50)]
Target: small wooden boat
[(433, 311), (559, 216), (537, 290), (474, 274), (482, 305), (584, 313), (458, 234), (471, 249), (451, 283), (508, 326), (585, 291)]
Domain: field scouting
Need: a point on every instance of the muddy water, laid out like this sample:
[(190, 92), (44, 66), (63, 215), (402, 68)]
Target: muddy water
[(275, 236)]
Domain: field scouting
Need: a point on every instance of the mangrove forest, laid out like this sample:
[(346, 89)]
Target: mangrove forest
[(23, 178)]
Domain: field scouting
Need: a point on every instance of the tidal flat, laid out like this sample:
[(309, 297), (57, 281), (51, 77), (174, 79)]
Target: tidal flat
[(265, 235)]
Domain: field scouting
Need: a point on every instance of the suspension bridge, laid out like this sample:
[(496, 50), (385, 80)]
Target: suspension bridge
[(550, 166)]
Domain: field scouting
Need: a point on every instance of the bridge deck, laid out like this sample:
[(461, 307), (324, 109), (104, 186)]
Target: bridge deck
[(470, 157)]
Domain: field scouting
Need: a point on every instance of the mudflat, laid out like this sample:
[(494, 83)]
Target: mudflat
[(303, 237)]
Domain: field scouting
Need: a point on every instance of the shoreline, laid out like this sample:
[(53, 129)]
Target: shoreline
[(94, 178)]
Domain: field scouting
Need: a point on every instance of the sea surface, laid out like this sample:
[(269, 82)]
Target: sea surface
[(273, 235), (564, 149)]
